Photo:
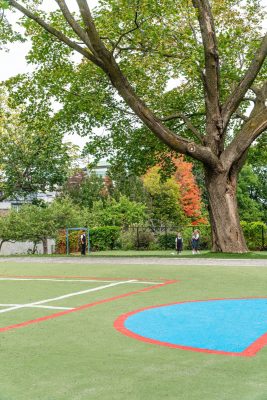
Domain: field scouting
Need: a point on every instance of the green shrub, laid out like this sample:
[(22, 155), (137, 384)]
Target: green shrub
[(127, 240), (144, 239), (74, 242), (166, 240), (255, 234), (136, 239), (104, 238)]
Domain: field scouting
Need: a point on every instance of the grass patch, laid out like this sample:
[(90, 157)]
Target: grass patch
[(155, 253)]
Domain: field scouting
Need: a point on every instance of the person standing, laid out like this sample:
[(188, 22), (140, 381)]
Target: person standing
[(195, 241), (179, 243), (83, 243)]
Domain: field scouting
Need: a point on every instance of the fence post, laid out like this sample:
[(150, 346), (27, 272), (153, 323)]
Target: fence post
[(137, 237), (166, 246)]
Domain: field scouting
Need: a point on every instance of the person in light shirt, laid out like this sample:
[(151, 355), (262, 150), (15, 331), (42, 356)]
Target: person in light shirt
[(195, 241)]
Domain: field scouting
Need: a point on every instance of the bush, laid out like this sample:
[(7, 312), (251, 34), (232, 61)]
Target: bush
[(127, 240), (166, 241), (74, 242), (255, 234), (136, 239), (104, 238), (144, 239)]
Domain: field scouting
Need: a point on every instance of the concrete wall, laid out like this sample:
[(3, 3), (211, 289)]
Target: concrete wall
[(9, 248)]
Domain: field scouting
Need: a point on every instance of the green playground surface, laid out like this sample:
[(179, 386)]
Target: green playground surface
[(153, 253), (79, 355)]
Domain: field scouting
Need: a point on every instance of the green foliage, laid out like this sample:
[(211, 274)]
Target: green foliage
[(136, 238), (66, 213), (104, 238), (31, 160), (117, 213), (164, 203), (127, 239), (86, 192), (166, 241), (255, 234), (29, 223), (251, 194), (4, 4)]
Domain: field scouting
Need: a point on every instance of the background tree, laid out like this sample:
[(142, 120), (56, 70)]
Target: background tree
[(249, 192), (123, 212), (32, 159), (31, 223), (85, 192), (164, 205), (66, 214), (216, 52), (190, 192)]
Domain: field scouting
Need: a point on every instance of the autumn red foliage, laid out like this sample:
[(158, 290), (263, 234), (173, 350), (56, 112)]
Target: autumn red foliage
[(190, 192)]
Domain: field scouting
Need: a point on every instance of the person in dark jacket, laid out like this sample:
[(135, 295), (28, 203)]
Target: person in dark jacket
[(179, 243), (83, 243)]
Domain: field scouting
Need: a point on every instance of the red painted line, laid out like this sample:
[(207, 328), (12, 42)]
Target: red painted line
[(256, 346), (250, 351), (75, 277), (83, 307)]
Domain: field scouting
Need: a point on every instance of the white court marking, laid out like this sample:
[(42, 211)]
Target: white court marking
[(64, 296), (37, 306), (74, 280)]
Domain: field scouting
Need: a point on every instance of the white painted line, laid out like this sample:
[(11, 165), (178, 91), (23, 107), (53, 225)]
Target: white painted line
[(64, 296), (36, 306), (75, 280)]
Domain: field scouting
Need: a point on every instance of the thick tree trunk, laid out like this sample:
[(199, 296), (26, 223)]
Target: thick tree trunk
[(227, 234)]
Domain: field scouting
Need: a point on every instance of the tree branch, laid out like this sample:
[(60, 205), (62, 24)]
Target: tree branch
[(126, 33), (239, 92), (59, 35), (73, 23), (251, 129), (212, 73), (188, 123)]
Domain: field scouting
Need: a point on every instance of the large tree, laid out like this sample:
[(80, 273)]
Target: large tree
[(214, 50)]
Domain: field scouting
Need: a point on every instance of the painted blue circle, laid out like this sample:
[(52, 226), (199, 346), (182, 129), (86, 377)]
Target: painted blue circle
[(217, 325)]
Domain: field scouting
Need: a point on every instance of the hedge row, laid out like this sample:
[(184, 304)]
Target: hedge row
[(103, 238), (111, 237)]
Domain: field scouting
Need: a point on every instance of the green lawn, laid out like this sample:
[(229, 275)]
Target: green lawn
[(156, 253), (172, 253), (80, 356)]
